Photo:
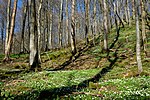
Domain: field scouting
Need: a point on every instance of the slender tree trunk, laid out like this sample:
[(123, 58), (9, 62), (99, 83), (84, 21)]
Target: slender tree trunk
[(34, 60), (39, 27), (143, 24), (108, 17), (28, 4), (117, 9), (60, 23), (50, 32), (44, 29), (119, 12), (105, 26), (115, 16), (2, 34), (8, 21), (138, 52), (94, 22), (67, 24), (133, 9), (47, 27), (82, 26), (86, 21), (128, 12), (73, 43), (50, 18), (11, 32), (100, 24), (23, 26), (7, 27)]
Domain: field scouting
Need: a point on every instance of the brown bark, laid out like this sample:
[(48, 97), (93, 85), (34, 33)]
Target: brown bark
[(11, 33), (73, 42), (86, 21), (8, 22)]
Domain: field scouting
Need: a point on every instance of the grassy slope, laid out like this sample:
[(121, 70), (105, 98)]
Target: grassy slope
[(119, 82)]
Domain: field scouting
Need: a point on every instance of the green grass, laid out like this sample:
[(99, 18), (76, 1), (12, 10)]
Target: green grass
[(137, 88), (128, 88), (44, 80)]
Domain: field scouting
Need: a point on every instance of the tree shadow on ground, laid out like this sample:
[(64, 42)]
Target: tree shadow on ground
[(61, 91), (73, 57), (12, 74)]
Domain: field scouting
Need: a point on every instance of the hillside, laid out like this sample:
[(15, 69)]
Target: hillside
[(90, 74)]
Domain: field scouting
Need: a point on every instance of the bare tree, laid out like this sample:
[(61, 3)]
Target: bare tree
[(8, 22), (86, 20), (143, 14), (133, 9), (67, 24), (34, 59), (25, 9), (39, 25), (128, 12), (105, 26), (50, 18), (2, 32), (60, 31), (138, 52), (73, 43), (94, 21), (11, 31)]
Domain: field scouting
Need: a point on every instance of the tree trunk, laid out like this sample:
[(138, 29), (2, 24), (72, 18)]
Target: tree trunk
[(23, 27), (133, 9), (117, 9), (105, 26), (143, 25), (34, 59), (138, 55), (86, 21), (128, 12), (43, 23), (7, 28), (60, 23), (94, 22), (109, 17), (11, 32), (67, 24), (2, 34), (8, 22), (39, 27), (50, 18), (73, 43), (28, 4)]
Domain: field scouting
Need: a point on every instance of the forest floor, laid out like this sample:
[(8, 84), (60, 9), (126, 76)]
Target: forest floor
[(90, 74)]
